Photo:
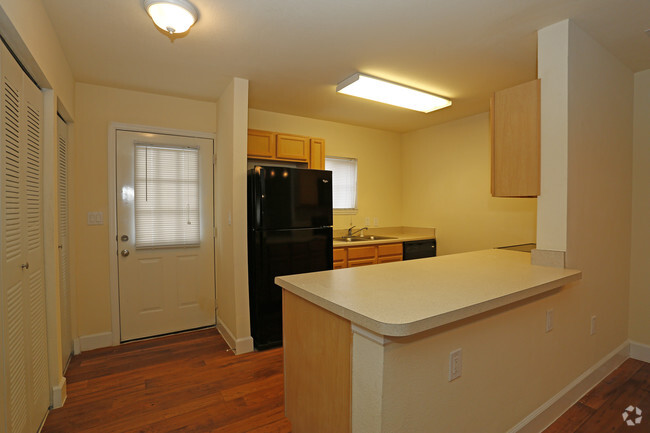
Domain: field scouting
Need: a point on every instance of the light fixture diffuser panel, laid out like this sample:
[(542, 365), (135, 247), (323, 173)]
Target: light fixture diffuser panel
[(367, 87)]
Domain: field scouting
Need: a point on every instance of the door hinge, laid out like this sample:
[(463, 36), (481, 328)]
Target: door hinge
[(214, 232), (214, 159)]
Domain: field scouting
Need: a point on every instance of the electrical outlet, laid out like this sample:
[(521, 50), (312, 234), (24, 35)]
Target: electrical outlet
[(455, 364), (376, 222), (367, 221), (593, 325), (549, 320)]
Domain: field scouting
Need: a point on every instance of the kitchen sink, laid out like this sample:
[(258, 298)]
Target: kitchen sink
[(362, 238)]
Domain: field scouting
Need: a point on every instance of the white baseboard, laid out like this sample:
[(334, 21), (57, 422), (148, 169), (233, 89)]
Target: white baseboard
[(639, 351), (76, 346), (95, 341), (239, 346), (59, 394), (544, 416)]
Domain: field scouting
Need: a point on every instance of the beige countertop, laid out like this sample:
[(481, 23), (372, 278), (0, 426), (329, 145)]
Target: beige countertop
[(399, 234), (404, 298)]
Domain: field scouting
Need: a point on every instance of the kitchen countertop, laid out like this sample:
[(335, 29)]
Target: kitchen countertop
[(405, 298), (400, 234)]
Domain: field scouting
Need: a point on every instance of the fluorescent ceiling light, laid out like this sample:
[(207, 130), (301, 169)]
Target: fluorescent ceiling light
[(173, 16), (364, 86)]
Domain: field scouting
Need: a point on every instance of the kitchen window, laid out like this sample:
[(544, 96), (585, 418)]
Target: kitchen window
[(344, 184), (166, 196)]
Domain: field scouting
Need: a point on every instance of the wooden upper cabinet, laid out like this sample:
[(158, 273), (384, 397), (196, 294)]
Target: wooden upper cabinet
[(261, 144), (515, 131), (292, 147), (317, 154), (286, 147)]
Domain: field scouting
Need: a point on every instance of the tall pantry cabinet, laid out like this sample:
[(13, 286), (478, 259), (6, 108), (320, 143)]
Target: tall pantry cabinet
[(24, 383)]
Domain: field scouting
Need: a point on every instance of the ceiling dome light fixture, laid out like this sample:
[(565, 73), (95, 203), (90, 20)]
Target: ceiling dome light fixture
[(173, 16)]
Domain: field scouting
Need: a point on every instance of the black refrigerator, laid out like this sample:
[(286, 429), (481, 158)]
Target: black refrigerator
[(289, 232)]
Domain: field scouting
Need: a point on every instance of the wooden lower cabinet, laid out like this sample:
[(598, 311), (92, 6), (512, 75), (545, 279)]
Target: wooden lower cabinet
[(349, 257), (317, 367), (340, 258)]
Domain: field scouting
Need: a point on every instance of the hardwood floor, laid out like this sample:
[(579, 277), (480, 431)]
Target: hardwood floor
[(601, 409), (191, 383), (181, 383)]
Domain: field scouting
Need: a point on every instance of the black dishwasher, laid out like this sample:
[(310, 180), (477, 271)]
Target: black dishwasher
[(419, 249)]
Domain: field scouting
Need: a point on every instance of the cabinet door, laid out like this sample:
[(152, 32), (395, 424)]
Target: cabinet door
[(292, 147), (340, 258), (387, 259), (515, 130), (386, 250), (317, 154), (365, 252), (261, 144), (362, 262)]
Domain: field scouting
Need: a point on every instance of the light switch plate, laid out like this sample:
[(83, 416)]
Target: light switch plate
[(95, 218)]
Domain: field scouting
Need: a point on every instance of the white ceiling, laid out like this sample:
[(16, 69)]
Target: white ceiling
[(294, 52)]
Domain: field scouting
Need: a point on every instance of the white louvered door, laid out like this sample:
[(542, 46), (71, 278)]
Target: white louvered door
[(24, 342), (64, 243)]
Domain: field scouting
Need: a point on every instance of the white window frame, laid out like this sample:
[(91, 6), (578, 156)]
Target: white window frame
[(352, 210)]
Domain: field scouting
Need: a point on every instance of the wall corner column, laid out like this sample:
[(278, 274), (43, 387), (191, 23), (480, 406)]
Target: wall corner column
[(553, 70), (367, 380)]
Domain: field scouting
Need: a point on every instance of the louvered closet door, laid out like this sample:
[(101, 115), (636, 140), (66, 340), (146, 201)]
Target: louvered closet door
[(24, 343), (64, 242)]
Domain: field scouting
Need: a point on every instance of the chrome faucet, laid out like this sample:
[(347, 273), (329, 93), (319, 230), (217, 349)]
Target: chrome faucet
[(351, 233)]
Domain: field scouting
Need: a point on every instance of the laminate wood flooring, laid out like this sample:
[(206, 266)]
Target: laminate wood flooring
[(601, 409), (187, 382), (192, 383)]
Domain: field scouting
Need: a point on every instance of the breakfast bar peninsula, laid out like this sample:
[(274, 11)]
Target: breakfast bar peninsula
[(367, 350)]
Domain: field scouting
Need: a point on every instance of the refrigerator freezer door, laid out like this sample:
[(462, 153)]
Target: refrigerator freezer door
[(275, 253), (286, 198)]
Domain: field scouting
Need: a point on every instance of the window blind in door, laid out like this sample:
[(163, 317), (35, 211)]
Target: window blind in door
[(166, 196)]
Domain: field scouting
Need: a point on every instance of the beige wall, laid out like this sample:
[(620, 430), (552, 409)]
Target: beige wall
[(97, 107), (640, 271), (29, 32), (378, 155), (511, 366), (601, 99), (446, 184)]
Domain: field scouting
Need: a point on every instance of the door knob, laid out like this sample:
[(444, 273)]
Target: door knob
[(124, 253), (25, 266)]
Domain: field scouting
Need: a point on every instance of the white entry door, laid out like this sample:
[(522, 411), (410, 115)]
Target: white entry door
[(164, 233)]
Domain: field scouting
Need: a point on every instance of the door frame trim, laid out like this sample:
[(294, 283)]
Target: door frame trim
[(112, 208)]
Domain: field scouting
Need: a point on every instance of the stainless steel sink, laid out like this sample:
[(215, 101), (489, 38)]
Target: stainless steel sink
[(362, 238)]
